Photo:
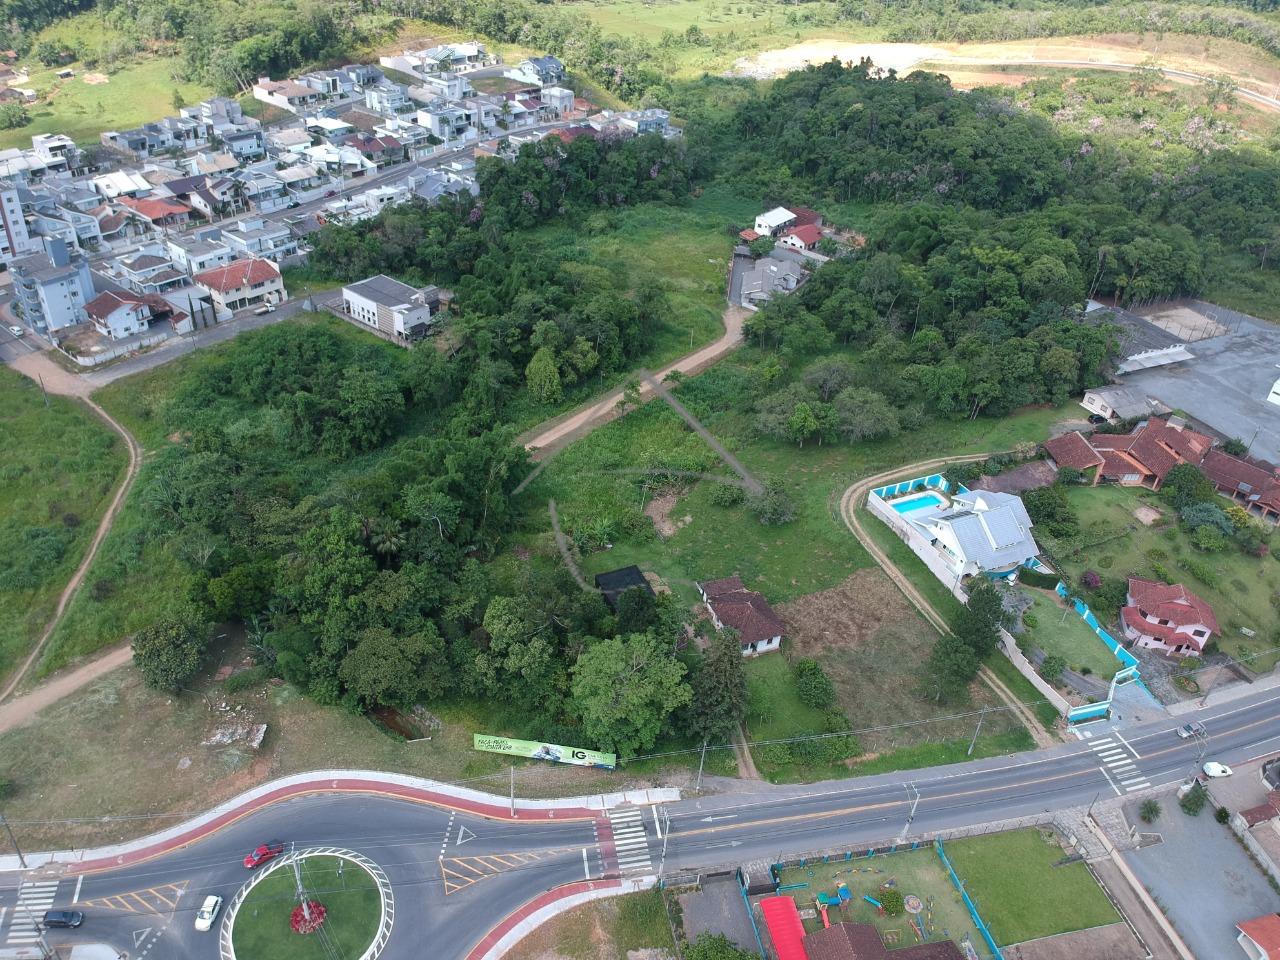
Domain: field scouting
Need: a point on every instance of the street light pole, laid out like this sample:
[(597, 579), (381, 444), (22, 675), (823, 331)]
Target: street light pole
[(703, 760), (982, 716), (13, 840)]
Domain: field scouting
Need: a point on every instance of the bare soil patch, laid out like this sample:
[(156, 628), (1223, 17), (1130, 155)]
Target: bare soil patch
[(1115, 941), (890, 56), (1186, 323), (1146, 515), (95, 78), (659, 509)]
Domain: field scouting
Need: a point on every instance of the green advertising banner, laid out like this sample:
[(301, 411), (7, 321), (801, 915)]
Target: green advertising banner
[(536, 750)]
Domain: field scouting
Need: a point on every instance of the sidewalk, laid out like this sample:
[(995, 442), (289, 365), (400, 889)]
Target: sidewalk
[(397, 786)]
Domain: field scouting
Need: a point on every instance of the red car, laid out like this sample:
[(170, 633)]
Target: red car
[(267, 851)]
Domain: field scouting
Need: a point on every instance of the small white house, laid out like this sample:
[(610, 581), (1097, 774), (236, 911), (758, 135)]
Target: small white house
[(772, 222), (732, 605), (394, 308)]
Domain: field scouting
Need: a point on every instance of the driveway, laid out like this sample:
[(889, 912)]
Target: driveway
[(1202, 878)]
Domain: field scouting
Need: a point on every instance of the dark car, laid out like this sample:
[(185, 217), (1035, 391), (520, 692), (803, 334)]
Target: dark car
[(262, 853), (63, 918), (1096, 418)]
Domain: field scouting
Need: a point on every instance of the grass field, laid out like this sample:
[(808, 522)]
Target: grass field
[(1115, 544), (915, 872), (353, 909), (1021, 891), (1068, 637), (601, 930), (59, 468), (134, 94)]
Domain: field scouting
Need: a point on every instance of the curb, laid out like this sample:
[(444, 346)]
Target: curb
[(517, 925), (394, 786)]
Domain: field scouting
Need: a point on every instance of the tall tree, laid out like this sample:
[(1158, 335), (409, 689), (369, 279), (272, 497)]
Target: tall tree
[(625, 689), (719, 684)]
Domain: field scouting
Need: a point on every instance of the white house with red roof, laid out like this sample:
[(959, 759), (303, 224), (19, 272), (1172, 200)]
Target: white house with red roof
[(120, 314), (802, 237), (241, 284), (1167, 618), (1259, 938), (731, 604)]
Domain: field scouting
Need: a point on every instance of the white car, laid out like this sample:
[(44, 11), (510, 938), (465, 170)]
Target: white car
[(1213, 769), (208, 912), (16, 330)]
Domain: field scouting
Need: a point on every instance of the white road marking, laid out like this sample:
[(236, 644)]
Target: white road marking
[(1136, 754), (75, 897), (586, 867), (657, 827), (1112, 782)]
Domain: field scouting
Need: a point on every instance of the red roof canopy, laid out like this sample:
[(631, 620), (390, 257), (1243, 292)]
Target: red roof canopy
[(785, 929), (237, 274), (1265, 932)]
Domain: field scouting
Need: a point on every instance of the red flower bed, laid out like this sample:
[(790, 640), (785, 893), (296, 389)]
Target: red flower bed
[(299, 921)]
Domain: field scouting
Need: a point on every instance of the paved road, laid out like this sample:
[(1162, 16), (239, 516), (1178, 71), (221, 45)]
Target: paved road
[(436, 904)]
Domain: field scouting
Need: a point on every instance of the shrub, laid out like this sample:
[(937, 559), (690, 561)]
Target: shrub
[(1069, 475), (1052, 668), (1035, 578), (962, 474), (1091, 580), (1206, 515), (102, 589), (727, 494), (773, 506), (1194, 800), (1185, 485), (1235, 446), (1149, 812), (1085, 671), (892, 901), (1222, 815), (245, 679), (1030, 620), (813, 686), (1209, 539), (1201, 571)]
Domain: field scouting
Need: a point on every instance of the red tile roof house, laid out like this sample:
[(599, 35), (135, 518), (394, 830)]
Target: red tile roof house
[(381, 150), (733, 605), (1247, 482), (159, 212), (1260, 937), (1169, 619), (802, 237), (1074, 451), (1145, 457), (242, 283), (123, 314)]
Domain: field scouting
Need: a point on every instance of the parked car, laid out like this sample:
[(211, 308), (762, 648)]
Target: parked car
[(1213, 769), (265, 308), (63, 918), (208, 912), (16, 330), (330, 193), (1193, 729), (263, 852), (1096, 418)]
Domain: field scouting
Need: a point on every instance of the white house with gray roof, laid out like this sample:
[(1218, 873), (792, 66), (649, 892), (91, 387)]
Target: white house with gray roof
[(981, 532), (392, 307)]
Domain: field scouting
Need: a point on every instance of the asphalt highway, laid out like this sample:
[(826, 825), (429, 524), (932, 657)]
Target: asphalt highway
[(455, 875)]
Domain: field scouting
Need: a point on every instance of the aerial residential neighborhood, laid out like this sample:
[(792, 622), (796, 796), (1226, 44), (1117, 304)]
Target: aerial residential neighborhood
[(639, 481)]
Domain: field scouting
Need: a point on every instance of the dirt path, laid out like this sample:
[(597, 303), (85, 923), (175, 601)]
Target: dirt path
[(56, 380), (849, 502), (553, 435), (23, 708), (742, 753)]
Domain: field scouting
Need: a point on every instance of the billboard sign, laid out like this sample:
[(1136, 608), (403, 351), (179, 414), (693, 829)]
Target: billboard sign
[(537, 750)]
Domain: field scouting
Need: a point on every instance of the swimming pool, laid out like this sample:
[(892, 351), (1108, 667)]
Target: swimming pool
[(908, 504)]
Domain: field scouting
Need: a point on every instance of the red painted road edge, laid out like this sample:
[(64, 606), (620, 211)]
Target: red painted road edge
[(491, 938), (493, 811)]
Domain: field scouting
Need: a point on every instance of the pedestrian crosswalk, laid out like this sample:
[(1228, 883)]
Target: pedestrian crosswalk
[(630, 840), (1118, 763), (34, 898)]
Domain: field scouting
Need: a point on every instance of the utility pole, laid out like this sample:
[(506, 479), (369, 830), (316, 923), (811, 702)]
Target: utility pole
[(982, 716), (513, 791), (45, 950), (302, 894), (703, 760), (13, 840)]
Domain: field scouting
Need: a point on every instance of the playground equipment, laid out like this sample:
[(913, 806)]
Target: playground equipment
[(822, 909), (873, 901)]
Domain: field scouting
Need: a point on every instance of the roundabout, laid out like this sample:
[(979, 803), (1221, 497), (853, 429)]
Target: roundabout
[(348, 912)]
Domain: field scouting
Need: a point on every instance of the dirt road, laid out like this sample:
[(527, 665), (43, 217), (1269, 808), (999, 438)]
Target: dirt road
[(56, 380), (23, 709), (849, 502), (553, 435)]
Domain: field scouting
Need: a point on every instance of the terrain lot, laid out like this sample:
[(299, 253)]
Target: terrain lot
[(59, 467), (1060, 631), (1115, 544), (601, 930), (1008, 875), (134, 94)]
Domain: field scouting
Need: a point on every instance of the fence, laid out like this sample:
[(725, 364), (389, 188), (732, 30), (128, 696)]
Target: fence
[(111, 353), (973, 911), (1009, 646), (1128, 672), (1241, 829)]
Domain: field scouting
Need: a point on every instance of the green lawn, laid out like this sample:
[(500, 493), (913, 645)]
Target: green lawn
[(1113, 543), (59, 468), (1021, 891), (262, 926), (1060, 631), (915, 872), (133, 95)]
